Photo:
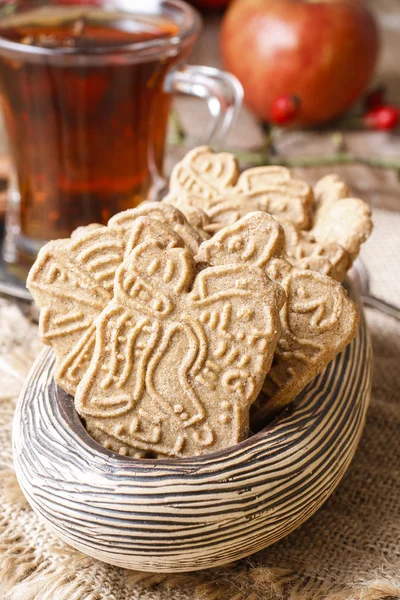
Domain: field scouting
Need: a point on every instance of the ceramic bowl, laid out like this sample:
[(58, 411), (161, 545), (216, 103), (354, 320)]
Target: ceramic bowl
[(189, 514)]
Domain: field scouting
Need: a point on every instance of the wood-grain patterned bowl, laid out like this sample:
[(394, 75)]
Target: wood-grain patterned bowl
[(189, 514)]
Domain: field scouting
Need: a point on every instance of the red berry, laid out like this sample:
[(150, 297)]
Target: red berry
[(284, 109), (375, 98), (384, 118)]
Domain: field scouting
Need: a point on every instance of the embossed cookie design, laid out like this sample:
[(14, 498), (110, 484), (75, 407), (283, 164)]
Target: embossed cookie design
[(303, 251), (172, 353), (72, 280), (179, 358), (168, 215), (339, 218), (173, 330), (323, 236), (211, 182), (318, 319)]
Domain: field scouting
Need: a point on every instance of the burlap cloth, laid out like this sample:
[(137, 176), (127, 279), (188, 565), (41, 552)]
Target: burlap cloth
[(349, 550)]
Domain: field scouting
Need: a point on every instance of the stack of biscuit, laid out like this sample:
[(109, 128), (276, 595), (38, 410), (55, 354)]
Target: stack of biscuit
[(178, 320)]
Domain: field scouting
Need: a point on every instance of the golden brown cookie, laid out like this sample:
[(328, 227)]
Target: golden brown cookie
[(303, 251), (338, 218), (168, 215), (72, 280), (318, 319), (179, 357), (328, 190), (211, 182), (164, 356), (199, 221)]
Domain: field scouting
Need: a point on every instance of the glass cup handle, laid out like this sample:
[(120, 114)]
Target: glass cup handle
[(222, 91)]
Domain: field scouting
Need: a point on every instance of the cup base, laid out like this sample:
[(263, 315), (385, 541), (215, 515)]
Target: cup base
[(19, 253)]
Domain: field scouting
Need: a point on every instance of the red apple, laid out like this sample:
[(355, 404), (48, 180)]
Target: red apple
[(321, 51)]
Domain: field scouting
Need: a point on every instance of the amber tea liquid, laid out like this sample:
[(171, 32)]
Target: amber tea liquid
[(87, 139)]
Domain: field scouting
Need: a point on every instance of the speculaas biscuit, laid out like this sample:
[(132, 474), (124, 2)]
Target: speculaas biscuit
[(170, 354), (72, 281), (339, 218), (211, 182), (200, 222), (303, 251), (179, 356), (318, 319), (324, 236), (165, 214)]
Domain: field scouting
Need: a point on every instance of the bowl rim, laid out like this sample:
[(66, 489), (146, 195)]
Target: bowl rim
[(67, 410), (71, 417)]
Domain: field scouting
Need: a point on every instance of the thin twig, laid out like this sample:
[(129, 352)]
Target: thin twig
[(268, 154), (340, 158)]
